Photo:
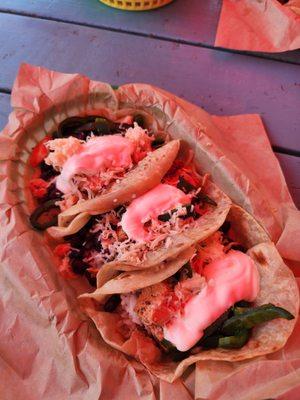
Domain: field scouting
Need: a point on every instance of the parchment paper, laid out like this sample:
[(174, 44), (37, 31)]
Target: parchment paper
[(48, 349), (259, 25)]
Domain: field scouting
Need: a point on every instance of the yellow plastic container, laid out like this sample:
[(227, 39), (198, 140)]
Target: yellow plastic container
[(136, 5)]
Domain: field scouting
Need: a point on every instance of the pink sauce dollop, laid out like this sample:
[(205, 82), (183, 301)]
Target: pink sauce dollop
[(229, 279), (148, 206), (97, 155)]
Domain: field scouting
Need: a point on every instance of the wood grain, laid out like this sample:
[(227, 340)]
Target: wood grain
[(222, 83), (290, 165), (191, 21)]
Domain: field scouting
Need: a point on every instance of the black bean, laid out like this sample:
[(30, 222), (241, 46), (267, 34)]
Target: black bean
[(76, 254), (239, 247), (52, 193), (225, 227), (112, 303), (156, 143), (120, 210), (47, 171), (164, 217), (78, 266), (91, 278), (184, 185), (139, 119)]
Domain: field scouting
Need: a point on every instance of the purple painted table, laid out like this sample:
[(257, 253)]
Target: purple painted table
[(171, 47)]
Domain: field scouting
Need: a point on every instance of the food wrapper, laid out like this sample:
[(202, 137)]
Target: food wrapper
[(49, 348), (259, 25)]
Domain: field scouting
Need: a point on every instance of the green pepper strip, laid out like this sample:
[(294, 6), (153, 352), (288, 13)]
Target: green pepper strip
[(139, 119), (39, 211), (172, 351), (206, 199), (234, 342), (254, 316)]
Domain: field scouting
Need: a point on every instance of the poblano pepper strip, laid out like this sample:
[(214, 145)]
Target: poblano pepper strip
[(234, 342), (139, 119), (39, 211), (104, 127), (172, 351), (254, 316), (215, 326), (210, 342)]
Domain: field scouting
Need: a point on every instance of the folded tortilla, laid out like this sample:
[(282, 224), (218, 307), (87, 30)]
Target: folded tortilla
[(277, 286)]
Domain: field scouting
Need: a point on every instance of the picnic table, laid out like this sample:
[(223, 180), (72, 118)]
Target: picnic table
[(171, 47)]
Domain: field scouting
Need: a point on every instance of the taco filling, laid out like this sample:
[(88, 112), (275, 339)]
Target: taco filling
[(86, 159), (208, 303)]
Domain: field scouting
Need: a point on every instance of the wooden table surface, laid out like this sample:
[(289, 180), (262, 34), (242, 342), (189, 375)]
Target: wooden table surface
[(171, 47)]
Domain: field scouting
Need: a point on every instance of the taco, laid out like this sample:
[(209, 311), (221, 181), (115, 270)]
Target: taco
[(229, 297)]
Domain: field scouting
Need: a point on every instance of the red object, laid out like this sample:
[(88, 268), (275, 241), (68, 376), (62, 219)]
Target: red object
[(61, 250), (65, 269), (138, 155), (38, 187), (39, 152), (165, 311)]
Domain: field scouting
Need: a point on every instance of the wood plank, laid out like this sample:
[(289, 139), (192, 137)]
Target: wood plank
[(195, 23), (222, 83), (290, 164), (4, 109)]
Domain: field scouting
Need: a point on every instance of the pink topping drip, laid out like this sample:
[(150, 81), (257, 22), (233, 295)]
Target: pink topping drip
[(148, 206), (97, 155), (229, 279)]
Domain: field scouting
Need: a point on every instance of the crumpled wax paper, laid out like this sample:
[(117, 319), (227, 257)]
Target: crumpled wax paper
[(48, 348), (259, 25)]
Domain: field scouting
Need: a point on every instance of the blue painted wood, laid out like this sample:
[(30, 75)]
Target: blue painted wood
[(191, 21), (4, 109), (222, 83), (196, 22)]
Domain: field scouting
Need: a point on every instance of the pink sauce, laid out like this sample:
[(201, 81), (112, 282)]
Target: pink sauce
[(97, 155), (230, 279), (153, 203)]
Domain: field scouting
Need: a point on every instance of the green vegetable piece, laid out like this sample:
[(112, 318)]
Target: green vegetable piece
[(234, 342), (205, 199), (243, 303), (103, 126), (172, 351), (69, 125), (254, 316), (43, 208), (240, 310), (184, 185), (157, 143), (210, 342), (166, 345), (186, 271), (139, 119), (115, 87), (215, 326), (164, 217)]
